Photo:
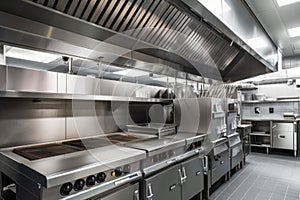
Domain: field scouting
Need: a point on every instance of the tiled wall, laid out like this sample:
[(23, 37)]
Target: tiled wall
[(248, 110)]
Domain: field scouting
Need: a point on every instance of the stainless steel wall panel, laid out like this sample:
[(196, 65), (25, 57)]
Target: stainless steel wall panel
[(89, 118), (82, 85), (28, 80), (2, 77), (27, 122)]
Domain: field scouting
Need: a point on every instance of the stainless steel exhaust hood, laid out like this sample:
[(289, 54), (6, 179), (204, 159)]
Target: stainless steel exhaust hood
[(151, 31)]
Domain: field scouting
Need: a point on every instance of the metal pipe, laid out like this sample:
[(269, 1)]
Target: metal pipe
[(70, 66)]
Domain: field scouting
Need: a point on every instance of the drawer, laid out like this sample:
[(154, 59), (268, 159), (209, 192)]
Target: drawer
[(283, 140), (283, 127)]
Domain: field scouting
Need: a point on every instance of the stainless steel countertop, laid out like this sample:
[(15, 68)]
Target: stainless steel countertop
[(166, 142), (277, 120), (59, 169)]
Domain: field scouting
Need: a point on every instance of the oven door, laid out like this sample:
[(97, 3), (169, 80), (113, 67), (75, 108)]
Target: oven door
[(164, 185)]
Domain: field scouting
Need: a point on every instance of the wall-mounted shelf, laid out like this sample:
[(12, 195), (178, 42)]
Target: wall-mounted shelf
[(38, 95), (271, 101)]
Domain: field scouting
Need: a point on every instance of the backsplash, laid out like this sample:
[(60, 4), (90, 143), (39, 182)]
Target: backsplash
[(279, 108)]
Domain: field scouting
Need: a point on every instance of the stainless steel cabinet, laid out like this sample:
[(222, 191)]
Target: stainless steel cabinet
[(164, 185), (182, 181), (220, 166), (194, 182), (283, 135)]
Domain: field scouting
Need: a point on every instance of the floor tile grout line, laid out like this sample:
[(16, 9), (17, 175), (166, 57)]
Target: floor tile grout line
[(241, 183), (232, 181), (273, 191), (286, 191), (249, 188), (263, 186)]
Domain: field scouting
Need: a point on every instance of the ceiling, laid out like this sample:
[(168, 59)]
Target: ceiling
[(276, 21)]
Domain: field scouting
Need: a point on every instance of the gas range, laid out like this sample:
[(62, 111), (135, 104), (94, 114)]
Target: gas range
[(76, 169)]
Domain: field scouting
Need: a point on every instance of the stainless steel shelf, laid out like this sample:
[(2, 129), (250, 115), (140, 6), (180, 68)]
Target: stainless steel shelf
[(260, 134), (261, 145), (38, 95), (271, 101)]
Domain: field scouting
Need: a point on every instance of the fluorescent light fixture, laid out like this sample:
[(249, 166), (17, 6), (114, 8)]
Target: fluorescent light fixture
[(256, 43), (294, 32), (131, 73), (286, 2), (25, 54)]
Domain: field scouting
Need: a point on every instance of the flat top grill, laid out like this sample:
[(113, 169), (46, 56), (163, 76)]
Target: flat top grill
[(50, 150), (45, 151)]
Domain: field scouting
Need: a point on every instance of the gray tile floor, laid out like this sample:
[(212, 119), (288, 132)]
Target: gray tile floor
[(265, 177)]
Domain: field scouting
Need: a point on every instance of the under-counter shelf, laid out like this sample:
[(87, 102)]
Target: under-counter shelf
[(264, 134), (39, 95), (260, 145)]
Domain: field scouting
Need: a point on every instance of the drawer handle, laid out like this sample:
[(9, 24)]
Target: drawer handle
[(281, 136), (172, 187), (198, 173)]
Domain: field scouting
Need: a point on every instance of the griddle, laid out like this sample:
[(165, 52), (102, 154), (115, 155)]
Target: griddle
[(45, 151), (50, 150)]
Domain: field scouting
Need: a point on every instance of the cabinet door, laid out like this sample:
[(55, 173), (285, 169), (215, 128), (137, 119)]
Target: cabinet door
[(283, 135), (127, 193), (164, 185), (194, 183), (220, 166)]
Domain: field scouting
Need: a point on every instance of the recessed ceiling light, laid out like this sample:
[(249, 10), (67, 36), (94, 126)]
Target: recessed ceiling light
[(286, 2), (294, 32)]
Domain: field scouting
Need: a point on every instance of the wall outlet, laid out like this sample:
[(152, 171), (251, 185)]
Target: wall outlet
[(271, 110), (257, 110)]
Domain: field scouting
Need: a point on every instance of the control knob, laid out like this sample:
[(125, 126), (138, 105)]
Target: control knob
[(117, 172), (79, 184), (101, 177), (126, 169), (90, 180), (66, 188)]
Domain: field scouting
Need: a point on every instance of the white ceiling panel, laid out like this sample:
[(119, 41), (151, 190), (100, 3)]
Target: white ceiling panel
[(276, 20)]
